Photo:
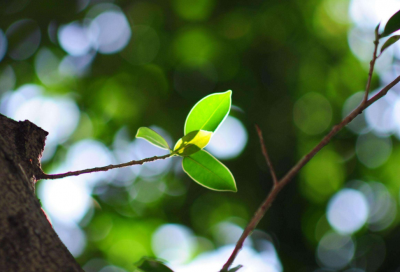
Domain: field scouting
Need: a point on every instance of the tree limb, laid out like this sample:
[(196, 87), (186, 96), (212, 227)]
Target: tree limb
[(289, 176)]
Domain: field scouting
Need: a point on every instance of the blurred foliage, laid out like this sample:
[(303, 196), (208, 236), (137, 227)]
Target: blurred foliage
[(279, 57)]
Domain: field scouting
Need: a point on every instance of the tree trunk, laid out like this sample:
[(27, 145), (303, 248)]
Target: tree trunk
[(27, 240)]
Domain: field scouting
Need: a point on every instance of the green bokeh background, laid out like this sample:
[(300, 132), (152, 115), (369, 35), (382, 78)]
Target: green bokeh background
[(271, 54)]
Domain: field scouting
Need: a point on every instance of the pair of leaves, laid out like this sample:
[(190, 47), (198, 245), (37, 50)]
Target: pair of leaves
[(201, 123), (391, 26)]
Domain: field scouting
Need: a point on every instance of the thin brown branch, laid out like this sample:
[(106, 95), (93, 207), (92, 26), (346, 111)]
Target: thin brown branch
[(372, 65), (265, 153), (101, 169), (289, 176)]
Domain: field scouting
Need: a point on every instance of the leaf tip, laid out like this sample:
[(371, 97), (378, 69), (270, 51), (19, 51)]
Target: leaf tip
[(137, 133), (234, 190)]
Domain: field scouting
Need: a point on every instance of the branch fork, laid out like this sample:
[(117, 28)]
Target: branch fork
[(279, 184)]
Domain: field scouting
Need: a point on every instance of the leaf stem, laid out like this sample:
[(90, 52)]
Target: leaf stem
[(100, 169), (295, 169)]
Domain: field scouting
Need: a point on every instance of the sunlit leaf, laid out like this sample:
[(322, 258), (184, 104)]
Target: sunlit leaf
[(207, 171), (389, 42), (192, 142), (153, 137), (151, 265), (209, 112), (392, 25)]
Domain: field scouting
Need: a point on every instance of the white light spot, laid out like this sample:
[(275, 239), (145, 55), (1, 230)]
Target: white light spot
[(229, 140), (76, 65), (379, 115), (252, 261), (396, 117), (347, 211), (88, 154), (174, 243), (110, 32), (368, 14), (27, 103), (65, 200), (74, 39), (143, 149), (72, 237), (226, 233)]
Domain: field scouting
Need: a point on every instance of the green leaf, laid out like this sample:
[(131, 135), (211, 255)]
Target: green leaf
[(207, 171), (151, 265), (152, 137), (209, 112), (389, 42), (192, 142), (236, 268), (392, 25)]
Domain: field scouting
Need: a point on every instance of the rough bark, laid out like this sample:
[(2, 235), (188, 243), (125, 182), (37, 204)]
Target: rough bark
[(27, 240)]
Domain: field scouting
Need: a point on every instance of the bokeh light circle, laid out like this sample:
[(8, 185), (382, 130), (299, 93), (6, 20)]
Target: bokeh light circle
[(347, 211), (174, 243), (7, 79), (74, 39), (23, 39), (373, 151), (110, 32), (335, 250), (88, 154), (229, 140), (28, 103), (65, 200), (358, 125), (304, 113), (46, 66), (72, 237), (379, 115), (382, 206)]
